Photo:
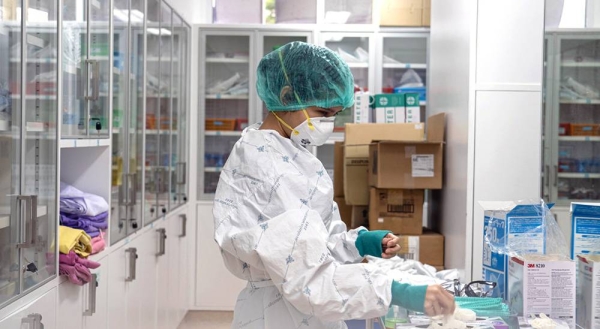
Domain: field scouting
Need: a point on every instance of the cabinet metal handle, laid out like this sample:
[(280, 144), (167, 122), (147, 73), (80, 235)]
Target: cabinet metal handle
[(33, 321), (161, 242), (132, 264), (28, 206), (547, 176), (93, 286), (184, 226), (181, 173), (555, 175), (94, 82), (132, 189)]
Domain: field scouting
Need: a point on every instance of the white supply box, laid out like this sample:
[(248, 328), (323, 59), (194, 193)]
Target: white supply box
[(543, 284), (585, 232), (588, 292), (413, 108), (362, 109)]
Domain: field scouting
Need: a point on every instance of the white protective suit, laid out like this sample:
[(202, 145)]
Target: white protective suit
[(279, 229)]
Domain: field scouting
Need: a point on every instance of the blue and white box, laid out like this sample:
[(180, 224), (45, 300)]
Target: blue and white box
[(518, 227), (585, 229)]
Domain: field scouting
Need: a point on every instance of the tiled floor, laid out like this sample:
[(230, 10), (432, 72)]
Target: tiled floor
[(222, 320)]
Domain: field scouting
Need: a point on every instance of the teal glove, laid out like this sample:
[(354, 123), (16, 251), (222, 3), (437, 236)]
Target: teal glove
[(369, 242), (408, 296)]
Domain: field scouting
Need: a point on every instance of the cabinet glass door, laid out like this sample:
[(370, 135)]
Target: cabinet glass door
[(271, 42), (354, 50), (154, 88), (165, 109), (99, 65), (578, 118), (176, 110), (348, 12), (10, 146), (39, 140), (120, 164), (224, 101), (404, 61), (74, 69), (180, 113), (135, 113)]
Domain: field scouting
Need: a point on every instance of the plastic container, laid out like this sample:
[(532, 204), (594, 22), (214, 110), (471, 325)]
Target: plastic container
[(422, 91), (220, 124), (395, 315)]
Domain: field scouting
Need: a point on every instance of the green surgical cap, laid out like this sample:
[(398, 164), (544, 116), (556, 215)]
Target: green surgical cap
[(299, 75)]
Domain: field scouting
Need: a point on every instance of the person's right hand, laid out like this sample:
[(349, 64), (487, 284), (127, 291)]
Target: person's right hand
[(438, 301)]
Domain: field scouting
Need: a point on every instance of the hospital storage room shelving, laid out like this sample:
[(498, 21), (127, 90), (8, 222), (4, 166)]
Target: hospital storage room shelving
[(226, 107), (571, 141), (79, 83)]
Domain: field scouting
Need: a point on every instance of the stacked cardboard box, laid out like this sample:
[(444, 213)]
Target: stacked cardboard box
[(392, 108), (405, 13), (387, 168)]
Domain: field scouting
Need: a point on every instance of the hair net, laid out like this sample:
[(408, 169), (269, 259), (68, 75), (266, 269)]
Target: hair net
[(299, 75)]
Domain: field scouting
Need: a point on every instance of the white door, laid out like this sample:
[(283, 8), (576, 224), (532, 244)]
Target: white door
[(162, 266), (144, 288), (184, 281), (95, 298), (70, 306), (42, 310), (175, 271), (120, 265)]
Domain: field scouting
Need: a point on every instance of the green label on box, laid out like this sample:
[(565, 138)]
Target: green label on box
[(388, 100), (412, 100)]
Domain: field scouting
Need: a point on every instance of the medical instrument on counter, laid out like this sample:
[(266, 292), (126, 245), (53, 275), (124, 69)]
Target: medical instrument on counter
[(476, 288)]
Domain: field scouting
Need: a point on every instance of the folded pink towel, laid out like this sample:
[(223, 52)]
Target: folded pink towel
[(73, 259), (98, 243), (77, 274)]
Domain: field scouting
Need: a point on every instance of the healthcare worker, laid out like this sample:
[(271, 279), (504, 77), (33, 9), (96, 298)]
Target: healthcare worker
[(275, 219)]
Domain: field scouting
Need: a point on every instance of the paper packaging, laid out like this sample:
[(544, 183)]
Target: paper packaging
[(345, 211), (588, 288), (426, 12), (399, 211), (356, 154), (362, 109), (504, 226), (585, 229), (412, 107), (401, 13), (338, 167), (543, 284), (389, 108), (427, 248), (409, 164)]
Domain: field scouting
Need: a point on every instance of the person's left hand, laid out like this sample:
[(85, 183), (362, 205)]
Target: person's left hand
[(390, 246)]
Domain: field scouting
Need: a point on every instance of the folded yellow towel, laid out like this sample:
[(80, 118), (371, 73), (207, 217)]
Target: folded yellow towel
[(76, 240)]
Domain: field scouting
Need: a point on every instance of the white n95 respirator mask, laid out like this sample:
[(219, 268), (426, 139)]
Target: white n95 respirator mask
[(311, 132)]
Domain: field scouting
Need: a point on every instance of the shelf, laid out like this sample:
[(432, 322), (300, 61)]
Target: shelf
[(404, 66), (228, 60), (5, 218), (578, 175), (358, 65), (161, 131), (35, 97), (35, 60), (166, 59), (580, 101), (213, 169), (223, 133), (74, 143), (579, 138), (225, 96), (580, 64)]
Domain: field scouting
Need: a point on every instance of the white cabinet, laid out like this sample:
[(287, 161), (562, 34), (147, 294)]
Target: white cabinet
[(162, 271), (41, 312), (143, 293), (70, 306), (121, 275), (178, 268)]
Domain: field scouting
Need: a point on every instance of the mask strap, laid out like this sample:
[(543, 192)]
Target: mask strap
[(310, 124), (294, 131)]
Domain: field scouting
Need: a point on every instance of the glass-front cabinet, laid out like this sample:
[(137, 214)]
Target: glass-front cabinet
[(127, 117), (225, 97), (179, 132), (572, 109), (28, 145), (86, 57), (354, 49)]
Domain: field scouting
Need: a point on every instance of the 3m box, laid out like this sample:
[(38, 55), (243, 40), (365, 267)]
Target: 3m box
[(427, 248), (362, 109), (506, 222), (412, 107), (585, 229), (389, 108), (399, 211), (543, 284), (338, 169), (588, 292), (409, 164), (356, 154)]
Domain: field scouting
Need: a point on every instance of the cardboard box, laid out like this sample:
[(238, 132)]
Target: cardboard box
[(507, 222), (409, 164), (362, 109), (412, 107), (401, 13), (345, 211), (360, 217), (356, 154), (389, 108), (427, 248), (585, 229), (426, 12), (399, 211), (543, 284), (588, 286), (338, 169)]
